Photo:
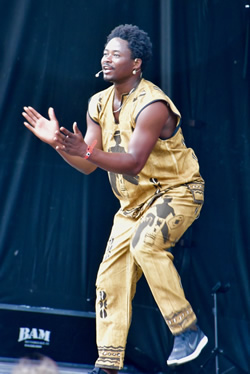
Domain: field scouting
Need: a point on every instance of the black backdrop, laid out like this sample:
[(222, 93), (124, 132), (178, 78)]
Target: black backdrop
[(55, 221)]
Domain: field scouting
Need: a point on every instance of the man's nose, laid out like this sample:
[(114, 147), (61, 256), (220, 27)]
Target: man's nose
[(107, 58)]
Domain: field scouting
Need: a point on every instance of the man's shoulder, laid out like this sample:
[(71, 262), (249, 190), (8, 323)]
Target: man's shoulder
[(150, 89), (102, 94), (149, 92), (97, 102)]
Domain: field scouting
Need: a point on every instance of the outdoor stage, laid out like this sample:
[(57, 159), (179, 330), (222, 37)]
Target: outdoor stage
[(7, 366)]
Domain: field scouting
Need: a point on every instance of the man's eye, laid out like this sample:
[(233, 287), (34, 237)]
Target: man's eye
[(116, 55)]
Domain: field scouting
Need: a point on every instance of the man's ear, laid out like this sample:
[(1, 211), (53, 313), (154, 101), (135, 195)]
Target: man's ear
[(137, 63)]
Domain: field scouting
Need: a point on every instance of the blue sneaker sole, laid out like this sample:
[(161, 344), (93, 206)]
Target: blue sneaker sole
[(193, 355)]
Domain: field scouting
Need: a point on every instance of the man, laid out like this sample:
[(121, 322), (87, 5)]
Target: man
[(133, 132)]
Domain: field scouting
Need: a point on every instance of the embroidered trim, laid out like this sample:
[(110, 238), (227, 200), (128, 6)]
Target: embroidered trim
[(110, 357)]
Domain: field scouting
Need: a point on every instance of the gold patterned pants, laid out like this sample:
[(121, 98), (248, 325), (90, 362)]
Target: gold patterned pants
[(139, 246)]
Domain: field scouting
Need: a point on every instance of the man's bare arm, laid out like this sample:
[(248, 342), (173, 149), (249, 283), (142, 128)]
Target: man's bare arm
[(48, 131)]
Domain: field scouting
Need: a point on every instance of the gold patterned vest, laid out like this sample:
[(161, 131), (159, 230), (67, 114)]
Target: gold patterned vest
[(170, 163)]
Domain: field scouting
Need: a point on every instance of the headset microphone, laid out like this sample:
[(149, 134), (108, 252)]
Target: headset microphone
[(97, 74)]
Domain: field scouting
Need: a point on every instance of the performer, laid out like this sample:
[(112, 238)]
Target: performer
[(133, 132)]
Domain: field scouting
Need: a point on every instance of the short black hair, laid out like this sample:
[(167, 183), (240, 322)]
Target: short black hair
[(138, 41)]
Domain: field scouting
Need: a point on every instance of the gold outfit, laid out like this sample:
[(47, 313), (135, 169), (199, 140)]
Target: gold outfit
[(157, 207)]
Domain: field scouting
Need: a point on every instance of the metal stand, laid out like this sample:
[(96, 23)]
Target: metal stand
[(216, 351)]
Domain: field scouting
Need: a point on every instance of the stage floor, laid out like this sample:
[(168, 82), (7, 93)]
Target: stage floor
[(7, 366)]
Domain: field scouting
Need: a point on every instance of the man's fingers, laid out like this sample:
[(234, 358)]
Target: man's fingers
[(65, 131), (29, 118), (75, 128), (31, 115), (52, 115), (32, 112), (60, 148), (31, 128)]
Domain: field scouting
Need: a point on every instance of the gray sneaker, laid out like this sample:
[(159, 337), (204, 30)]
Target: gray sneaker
[(187, 346), (97, 371)]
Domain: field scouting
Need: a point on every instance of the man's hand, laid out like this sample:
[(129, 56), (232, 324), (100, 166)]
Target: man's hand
[(72, 142), (43, 128)]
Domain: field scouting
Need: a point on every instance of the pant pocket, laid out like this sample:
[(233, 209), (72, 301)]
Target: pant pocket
[(197, 190)]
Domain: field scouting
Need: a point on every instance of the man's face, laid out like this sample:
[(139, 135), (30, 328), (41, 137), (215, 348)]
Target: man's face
[(117, 63)]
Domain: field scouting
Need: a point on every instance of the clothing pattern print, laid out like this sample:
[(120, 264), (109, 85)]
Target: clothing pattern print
[(170, 163), (137, 245), (157, 207)]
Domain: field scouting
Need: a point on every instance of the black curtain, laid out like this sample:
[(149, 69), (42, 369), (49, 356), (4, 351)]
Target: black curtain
[(55, 221), (51, 214), (210, 83)]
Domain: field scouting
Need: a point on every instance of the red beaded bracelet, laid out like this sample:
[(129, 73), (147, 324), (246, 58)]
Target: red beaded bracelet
[(90, 149)]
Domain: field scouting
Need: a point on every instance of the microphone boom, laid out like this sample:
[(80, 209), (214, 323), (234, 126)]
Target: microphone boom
[(97, 74)]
